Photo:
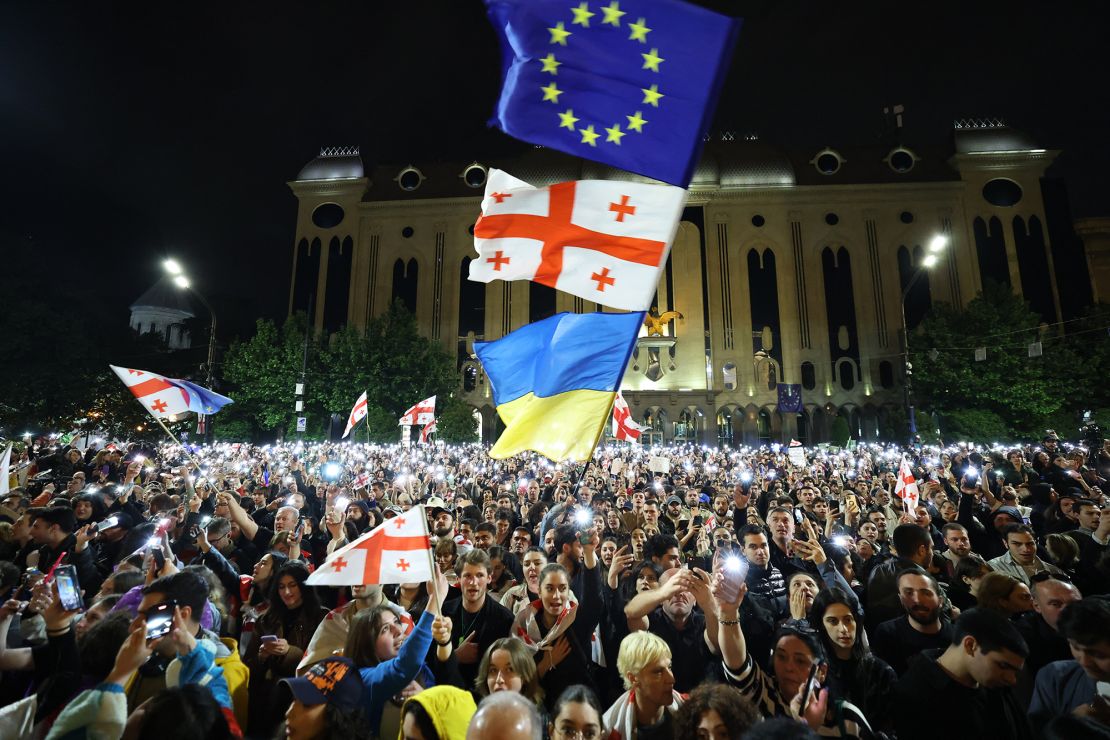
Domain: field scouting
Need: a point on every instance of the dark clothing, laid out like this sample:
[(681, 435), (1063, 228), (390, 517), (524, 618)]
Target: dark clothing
[(983, 714), (265, 709), (1046, 645), (88, 577), (882, 591), (895, 641), (767, 582), (689, 654), (1061, 687), (491, 622), (868, 683), (578, 666)]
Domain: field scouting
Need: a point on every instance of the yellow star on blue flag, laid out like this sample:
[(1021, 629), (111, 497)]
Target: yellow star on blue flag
[(554, 381), (668, 55)]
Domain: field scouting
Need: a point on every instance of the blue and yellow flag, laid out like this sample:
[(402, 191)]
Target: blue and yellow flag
[(554, 381), (630, 83)]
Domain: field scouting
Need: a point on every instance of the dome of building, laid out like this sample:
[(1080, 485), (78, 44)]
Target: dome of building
[(164, 294), (977, 136), (163, 309), (335, 163), (752, 163)]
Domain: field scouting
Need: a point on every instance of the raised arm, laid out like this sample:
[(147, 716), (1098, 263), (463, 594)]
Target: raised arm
[(247, 525)]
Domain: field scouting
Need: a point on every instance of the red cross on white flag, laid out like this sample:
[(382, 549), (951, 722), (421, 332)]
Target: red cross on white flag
[(422, 413), (358, 413), (602, 240), (623, 425), (154, 392), (427, 432), (397, 551), (906, 488)]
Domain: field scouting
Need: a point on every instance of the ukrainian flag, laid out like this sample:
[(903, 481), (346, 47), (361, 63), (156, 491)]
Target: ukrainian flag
[(554, 381)]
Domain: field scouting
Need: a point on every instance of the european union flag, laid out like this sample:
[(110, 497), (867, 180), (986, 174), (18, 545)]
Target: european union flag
[(631, 83), (554, 381), (790, 398), (200, 399)]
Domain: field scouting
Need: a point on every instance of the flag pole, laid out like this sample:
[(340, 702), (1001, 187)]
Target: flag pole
[(178, 441), (432, 562)]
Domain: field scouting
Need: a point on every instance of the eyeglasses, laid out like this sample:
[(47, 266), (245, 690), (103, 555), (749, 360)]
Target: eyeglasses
[(590, 733)]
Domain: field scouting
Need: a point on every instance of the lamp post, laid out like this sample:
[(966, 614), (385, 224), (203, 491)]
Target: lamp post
[(936, 246), (181, 280)]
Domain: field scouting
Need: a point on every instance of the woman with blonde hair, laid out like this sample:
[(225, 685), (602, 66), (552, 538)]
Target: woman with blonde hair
[(650, 701)]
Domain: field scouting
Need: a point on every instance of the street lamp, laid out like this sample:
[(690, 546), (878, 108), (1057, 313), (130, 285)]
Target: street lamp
[(936, 246), (174, 268)]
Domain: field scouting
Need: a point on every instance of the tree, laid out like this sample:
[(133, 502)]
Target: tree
[(264, 371), (1008, 395), (389, 360), (456, 421)]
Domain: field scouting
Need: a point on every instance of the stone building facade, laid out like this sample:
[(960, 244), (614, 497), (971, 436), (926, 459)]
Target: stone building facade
[(789, 266)]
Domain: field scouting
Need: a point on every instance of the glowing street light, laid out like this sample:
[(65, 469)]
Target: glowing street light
[(174, 268), (936, 246)]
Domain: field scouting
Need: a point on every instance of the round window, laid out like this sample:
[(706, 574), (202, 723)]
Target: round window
[(901, 160), (832, 219), (407, 232), (410, 178), (1002, 192), (328, 215), (827, 162), (758, 221), (906, 217), (474, 176)]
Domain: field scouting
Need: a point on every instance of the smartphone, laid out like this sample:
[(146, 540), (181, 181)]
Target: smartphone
[(69, 591), (268, 638), (698, 520), (159, 559), (107, 523), (808, 686), (159, 620), (299, 529), (734, 569)]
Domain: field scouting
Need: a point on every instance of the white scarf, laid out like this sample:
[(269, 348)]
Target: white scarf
[(620, 719), (526, 625)]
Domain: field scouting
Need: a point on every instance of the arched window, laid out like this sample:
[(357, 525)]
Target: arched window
[(724, 426), (686, 428), (803, 429), (886, 374), (847, 375), (728, 373), (809, 376), (653, 421), (763, 427)]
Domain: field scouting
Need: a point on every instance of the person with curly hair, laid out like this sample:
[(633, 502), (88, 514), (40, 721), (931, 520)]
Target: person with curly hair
[(714, 711)]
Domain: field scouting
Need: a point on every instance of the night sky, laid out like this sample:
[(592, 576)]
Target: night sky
[(146, 130)]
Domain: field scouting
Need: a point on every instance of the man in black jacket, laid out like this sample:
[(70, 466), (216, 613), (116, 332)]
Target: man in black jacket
[(970, 681), (52, 531)]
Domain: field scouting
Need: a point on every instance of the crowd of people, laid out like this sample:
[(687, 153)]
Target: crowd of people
[(667, 592)]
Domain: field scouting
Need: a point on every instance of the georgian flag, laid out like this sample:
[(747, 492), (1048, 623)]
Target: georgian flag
[(361, 481), (427, 431), (422, 413), (358, 413), (623, 426), (602, 240), (906, 488), (397, 551), (155, 392)]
